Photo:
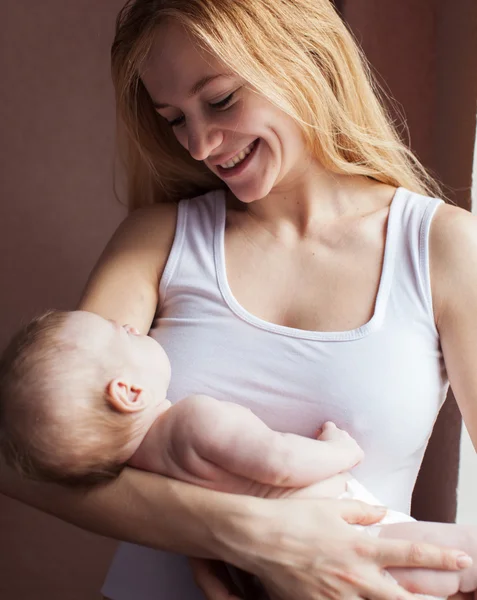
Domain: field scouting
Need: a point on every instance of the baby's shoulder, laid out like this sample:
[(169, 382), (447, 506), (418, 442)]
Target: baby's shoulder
[(201, 412), (198, 405), (193, 420)]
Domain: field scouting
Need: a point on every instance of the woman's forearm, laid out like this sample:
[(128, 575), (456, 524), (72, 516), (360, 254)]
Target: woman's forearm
[(296, 547), (146, 509)]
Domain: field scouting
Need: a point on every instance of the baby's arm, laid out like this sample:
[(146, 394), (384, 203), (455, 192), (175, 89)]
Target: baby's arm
[(232, 438)]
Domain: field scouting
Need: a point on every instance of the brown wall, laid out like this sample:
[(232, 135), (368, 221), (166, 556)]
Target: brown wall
[(425, 55), (57, 208)]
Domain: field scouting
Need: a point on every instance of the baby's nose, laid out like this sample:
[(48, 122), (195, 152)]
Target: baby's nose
[(131, 329)]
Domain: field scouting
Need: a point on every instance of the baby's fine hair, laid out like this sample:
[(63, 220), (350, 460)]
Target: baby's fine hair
[(55, 423)]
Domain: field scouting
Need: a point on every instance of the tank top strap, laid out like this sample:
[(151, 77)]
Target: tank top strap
[(191, 260), (410, 292)]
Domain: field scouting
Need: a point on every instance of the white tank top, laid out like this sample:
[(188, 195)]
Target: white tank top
[(383, 382)]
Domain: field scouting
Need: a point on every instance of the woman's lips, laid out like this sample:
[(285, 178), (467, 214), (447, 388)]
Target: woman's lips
[(240, 167)]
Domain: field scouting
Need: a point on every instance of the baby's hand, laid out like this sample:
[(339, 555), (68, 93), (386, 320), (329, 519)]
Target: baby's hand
[(332, 434), (329, 432)]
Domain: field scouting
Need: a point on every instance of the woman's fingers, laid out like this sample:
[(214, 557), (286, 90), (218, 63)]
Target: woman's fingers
[(206, 578), (402, 553), (367, 582), (383, 587), (321, 557), (356, 512)]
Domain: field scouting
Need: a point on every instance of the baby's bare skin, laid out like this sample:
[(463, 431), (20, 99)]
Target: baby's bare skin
[(224, 446)]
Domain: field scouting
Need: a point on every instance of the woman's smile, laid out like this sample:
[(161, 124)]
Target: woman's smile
[(237, 165)]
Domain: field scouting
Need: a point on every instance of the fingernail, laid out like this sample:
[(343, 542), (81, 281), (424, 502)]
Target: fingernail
[(464, 561)]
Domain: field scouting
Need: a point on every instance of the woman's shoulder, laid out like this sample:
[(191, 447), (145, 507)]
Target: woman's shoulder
[(453, 234), (153, 215), (452, 254), (152, 228), (147, 231)]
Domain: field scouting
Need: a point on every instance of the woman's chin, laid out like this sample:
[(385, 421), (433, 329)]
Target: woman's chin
[(247, 194)]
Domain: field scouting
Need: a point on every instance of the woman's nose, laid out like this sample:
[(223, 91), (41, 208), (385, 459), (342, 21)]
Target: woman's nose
[(203, 139)]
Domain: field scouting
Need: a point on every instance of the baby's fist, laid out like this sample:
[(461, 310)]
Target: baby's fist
[(329, 432), (332, 434)]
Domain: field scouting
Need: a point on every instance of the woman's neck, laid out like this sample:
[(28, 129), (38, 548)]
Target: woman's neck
[(317, 199)]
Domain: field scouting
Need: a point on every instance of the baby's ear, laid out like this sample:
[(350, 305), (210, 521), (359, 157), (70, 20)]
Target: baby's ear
[(125, 397)]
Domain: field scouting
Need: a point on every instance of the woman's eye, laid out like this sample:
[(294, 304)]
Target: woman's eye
[(223, 102), (177, 121)]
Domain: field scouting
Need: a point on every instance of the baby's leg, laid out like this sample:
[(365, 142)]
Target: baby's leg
[(428, 581)]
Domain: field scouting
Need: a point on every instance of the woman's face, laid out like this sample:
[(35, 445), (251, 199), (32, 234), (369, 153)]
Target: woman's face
[(221, 122)]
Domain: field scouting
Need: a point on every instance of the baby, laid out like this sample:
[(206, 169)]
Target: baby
[(81, 397)]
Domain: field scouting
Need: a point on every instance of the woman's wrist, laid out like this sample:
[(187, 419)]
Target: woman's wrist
[(244, 531)]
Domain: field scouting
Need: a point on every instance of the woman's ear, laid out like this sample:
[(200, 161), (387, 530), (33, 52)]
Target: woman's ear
[(125, 397)]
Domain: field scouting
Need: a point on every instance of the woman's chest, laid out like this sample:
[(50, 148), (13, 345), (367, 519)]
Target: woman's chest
[(316, 285), (384, 389)]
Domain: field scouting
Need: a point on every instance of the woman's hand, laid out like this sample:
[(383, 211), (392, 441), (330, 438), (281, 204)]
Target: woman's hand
[(305, 549)]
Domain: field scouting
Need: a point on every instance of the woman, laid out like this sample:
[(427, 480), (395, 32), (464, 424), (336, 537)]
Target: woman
[(297, 285)]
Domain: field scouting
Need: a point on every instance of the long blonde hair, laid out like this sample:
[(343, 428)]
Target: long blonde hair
[(301, 57)]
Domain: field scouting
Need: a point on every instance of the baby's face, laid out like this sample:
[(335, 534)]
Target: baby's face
[(146, 363)]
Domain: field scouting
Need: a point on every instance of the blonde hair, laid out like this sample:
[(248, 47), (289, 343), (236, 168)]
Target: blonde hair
[(298, 54), (55, 423)]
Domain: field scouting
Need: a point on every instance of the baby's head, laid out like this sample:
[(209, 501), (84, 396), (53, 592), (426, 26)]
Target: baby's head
[(78, 393)]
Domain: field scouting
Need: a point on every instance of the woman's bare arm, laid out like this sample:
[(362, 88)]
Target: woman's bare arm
[(299, 548), (453, 264), (138, 507), (124, 285)]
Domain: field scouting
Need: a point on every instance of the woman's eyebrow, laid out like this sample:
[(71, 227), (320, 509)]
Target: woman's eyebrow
[(196, 88)]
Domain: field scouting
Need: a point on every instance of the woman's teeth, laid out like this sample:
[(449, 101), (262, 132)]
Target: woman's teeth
[(239, 157)]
